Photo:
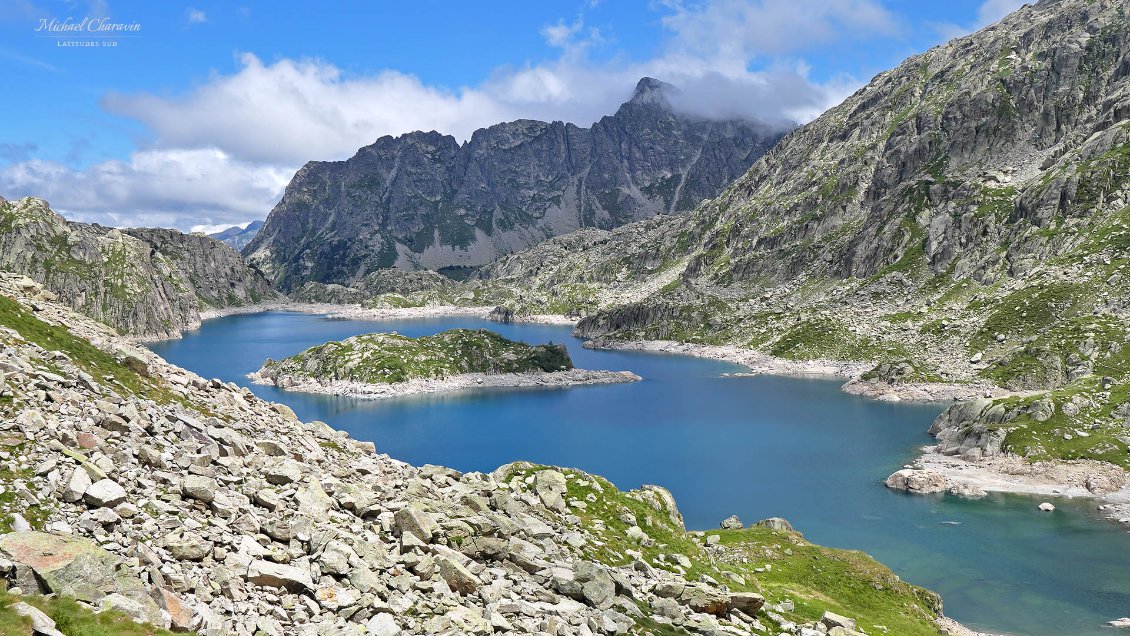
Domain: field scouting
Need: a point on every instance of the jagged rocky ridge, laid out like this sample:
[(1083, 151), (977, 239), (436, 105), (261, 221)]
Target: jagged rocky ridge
[(143, 282), (423, 200), (185, 502)]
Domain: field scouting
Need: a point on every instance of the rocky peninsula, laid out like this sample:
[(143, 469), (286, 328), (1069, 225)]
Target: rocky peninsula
[(384, 365)]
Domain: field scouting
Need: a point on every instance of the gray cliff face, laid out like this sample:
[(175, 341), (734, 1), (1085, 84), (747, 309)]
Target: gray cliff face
[(146, 282), (422, 200), (971, 147)]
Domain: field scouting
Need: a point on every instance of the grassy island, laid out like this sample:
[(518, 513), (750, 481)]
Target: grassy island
[(386, 358)]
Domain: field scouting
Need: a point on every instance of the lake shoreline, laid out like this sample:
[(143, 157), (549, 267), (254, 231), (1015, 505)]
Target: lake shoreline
[(1009, 474), (1104, 483), (804, 370), (357, 312), (455, 383), (764, 364), (995, 476)]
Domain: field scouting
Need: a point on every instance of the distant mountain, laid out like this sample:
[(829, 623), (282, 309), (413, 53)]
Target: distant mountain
[(238, 237), (425, 201), (145, 282)]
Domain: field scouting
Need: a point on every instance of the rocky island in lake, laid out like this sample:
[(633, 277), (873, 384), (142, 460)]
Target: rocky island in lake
[(381, 365)]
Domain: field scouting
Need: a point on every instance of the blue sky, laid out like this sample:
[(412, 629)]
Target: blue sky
[(201, 115)]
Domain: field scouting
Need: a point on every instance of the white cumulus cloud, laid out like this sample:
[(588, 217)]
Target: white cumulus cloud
[(166, 188), (222, 151)]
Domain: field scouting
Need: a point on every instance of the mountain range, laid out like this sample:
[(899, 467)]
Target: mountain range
[(425, 201)]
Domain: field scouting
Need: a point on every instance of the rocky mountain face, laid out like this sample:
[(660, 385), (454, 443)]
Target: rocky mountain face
[(238, 237), (962, 219), (144, 282), (133, 485), (423, 200)]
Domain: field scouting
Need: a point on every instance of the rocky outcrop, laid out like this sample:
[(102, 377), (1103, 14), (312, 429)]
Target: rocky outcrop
[(423, 200), (972, 429), (192, 504), (143, 282), (921, 482)]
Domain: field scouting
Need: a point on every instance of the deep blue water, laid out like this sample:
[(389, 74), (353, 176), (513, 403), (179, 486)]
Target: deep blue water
[(754, 446)]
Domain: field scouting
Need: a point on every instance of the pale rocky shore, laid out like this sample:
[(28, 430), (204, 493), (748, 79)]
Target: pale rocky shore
[(763, 364), (1106, 484), (357, 312), (351, 312), (461, 382)]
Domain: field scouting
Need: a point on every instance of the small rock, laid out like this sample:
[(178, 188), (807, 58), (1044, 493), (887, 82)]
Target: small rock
[(19, 524), (41, 623), (104, 493), (200, 488), (1047, 507), (77, 485), (383, 625), (776, 523), (732, 523), (278, 575), (830, 620)]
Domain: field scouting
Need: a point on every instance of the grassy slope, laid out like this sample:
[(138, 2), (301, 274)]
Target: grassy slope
[(814, 578)]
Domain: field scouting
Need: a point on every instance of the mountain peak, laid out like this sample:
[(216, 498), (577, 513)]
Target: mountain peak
[(652, 91)]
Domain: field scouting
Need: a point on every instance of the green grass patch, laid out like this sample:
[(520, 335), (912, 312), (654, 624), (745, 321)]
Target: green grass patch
[(1030, 311), (1096, 426), (71, 618), (1093, 343), (104, 367), (11, 502), (996, 202), (826, 338)]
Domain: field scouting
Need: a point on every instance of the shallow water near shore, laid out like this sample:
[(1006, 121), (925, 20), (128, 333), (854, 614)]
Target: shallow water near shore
[(754, 446)]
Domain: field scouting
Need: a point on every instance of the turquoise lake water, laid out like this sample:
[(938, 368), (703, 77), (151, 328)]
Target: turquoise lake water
[(752, 446)]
